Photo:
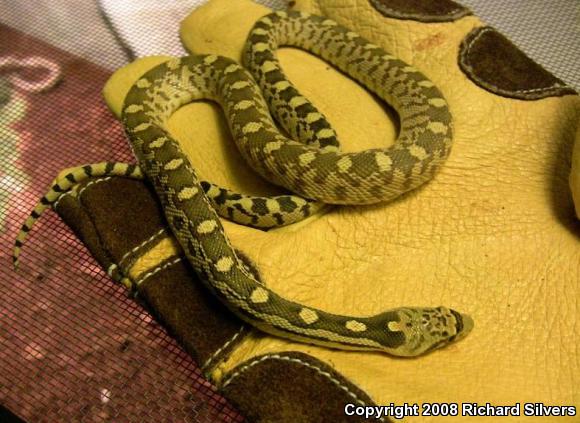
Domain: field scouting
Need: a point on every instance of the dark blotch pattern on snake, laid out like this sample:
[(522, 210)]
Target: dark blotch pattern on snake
[(312, 167)]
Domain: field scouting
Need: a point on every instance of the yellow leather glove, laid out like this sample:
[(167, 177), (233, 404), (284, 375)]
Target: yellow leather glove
[(493, 234), (575, 173)]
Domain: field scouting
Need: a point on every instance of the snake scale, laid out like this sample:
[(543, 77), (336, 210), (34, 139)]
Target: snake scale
[(310, 164)]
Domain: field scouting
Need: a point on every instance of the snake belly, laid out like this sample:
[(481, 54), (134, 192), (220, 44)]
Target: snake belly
[(313, 171)]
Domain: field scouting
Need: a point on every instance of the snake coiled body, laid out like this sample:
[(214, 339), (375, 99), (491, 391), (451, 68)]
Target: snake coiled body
[(365, 177), (314, 168)]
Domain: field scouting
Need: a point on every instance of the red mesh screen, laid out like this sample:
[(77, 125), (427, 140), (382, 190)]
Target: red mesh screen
[(73, 346)]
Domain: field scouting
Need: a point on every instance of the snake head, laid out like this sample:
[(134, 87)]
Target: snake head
[(426, 329)]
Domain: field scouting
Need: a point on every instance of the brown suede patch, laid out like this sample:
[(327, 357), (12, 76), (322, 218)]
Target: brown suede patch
[(292, 387), (494, 63), (124, 213), (205, 327), (114, 216), (78, 219), (421, 10)]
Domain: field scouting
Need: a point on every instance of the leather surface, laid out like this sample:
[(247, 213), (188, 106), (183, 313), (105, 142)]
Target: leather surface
[(493, 235), (575, 173)]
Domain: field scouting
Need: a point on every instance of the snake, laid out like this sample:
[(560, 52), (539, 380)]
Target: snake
[(308, 162)]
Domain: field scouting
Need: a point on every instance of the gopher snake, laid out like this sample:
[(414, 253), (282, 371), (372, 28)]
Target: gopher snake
[(313, 168)]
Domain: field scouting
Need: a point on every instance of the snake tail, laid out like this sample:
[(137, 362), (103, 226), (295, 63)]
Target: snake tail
[(63, 185)]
